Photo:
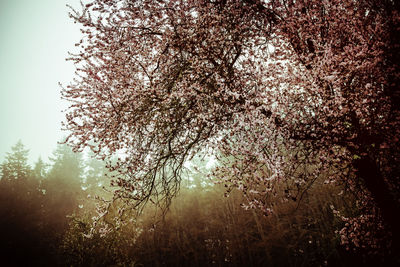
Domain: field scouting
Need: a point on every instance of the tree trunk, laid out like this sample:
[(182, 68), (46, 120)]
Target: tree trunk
[(369, 173)]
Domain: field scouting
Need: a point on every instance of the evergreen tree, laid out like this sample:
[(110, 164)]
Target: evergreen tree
[(62, 188), (95, 174), (40, 169), (21, 203), (16, 165)]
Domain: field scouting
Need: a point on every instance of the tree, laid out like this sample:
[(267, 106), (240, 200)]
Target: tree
[(21, 205), (15, 166), (16, 173), (95, 175), (67, 167), (62, 188), (40, 169), (280, 91)]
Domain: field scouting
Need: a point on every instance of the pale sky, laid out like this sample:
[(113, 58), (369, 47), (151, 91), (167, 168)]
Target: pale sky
[(35, 37)]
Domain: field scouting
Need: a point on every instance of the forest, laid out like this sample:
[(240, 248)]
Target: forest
[(48, 211), (218, 133)]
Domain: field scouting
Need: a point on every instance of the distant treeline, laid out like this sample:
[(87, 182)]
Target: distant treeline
[(46, 220), (35, 203)]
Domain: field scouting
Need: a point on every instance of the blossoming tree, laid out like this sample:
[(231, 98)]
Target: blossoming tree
[(279, 91)]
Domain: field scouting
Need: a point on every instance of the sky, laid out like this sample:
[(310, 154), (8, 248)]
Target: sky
[(35, 37)]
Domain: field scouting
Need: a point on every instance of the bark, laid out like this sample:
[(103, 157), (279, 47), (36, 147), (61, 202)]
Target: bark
[(368, 172)]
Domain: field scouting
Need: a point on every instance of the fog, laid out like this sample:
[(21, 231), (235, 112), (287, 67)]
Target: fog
[(61, 208), (35, 39)]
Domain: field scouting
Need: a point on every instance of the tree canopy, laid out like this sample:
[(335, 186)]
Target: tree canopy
[(15, 166), (280, 91)]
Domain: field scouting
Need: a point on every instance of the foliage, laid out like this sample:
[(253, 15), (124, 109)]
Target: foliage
[(15, 166), (33, 209), (99, 250), (281, 92), (203, 228), (39, 227)]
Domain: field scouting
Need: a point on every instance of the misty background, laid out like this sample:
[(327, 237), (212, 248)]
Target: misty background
[(35, 39)]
